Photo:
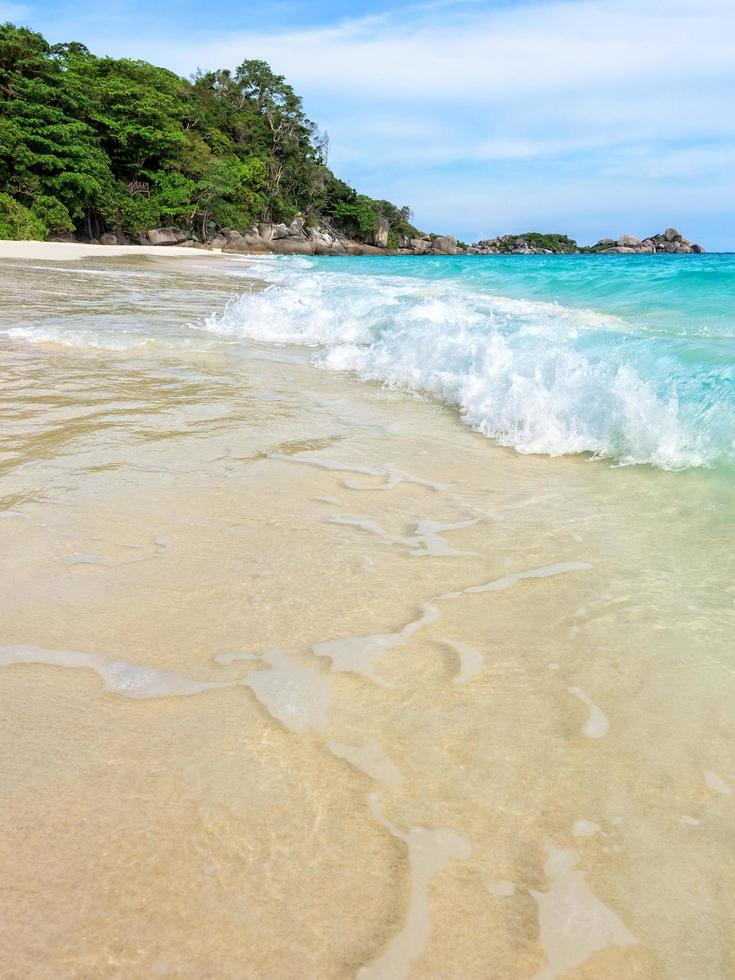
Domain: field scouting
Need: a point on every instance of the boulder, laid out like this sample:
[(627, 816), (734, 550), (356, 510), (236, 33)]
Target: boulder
[(296, 227), (672, 235), (445, 245), (380, 235), (606, 243), (320, 238), (265, 231), (698, 249), (108, 239), (219, 241), (629, 241), (246, 243), (279, 231), (420, 246), (231, 235), (166, 236), (287, 246)]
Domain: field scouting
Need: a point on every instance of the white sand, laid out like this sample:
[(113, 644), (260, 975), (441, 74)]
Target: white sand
[(60, 251)]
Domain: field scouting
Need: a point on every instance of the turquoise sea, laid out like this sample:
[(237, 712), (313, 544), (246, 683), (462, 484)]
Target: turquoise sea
[(627, 357)]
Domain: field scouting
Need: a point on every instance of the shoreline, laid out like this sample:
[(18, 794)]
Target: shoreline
[(68, 251), (306, 615)]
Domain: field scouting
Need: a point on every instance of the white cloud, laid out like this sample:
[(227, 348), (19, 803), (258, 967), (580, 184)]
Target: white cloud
[(572, 107)]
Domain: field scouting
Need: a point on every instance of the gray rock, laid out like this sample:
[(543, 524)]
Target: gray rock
[(297, 226), (108, 239), (279, 231), (380, 235), (629, 241), (265, 231), (246, 243), (320, 238), (166, 236), (219, 241), (420, 246), (445, 245), (698, 249), (672, 235), (287, 246), (606, 243)]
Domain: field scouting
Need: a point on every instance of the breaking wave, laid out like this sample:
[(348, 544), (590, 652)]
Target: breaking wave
[(538, 376)]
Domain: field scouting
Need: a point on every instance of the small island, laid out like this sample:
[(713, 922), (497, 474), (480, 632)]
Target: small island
[(534, 243)]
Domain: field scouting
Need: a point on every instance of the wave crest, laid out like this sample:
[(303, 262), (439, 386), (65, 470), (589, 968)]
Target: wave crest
[(539, 377)]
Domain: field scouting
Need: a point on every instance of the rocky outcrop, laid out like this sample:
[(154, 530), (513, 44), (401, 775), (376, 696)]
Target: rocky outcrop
[(534, 243), (380, 235), (444, 245), (669, 241), (298, 238), (530, 243), (166, 236)]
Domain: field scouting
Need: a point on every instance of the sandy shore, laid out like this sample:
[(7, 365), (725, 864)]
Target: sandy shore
[(302, 678), (64, 251)]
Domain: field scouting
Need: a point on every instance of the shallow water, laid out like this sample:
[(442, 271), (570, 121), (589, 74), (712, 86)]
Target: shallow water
[(305, 678)]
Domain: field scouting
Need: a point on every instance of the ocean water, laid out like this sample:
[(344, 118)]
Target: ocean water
[(335, 640), (631, 358)]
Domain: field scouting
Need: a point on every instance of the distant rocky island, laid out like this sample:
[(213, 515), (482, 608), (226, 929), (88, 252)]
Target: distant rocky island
[(307, 237), (534, 243)]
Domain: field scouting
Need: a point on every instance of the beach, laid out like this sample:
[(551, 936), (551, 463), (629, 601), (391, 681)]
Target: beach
[(305, 676)]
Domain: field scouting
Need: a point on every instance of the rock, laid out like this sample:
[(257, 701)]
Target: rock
[(296, 227), (606, 243), (320, 238), (246, 243), (698, 249), (420, 246), (166, 236), (672, 235), (279, 231), (219, 241), (231, 235), (265, 231), (629, 241), (108, 239), (287, 246), (380, 235), (445, 245)]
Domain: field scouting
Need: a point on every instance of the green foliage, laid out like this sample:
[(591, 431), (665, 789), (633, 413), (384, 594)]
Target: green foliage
[(555, 243), (52, 213), (91, 144), (18, 223)]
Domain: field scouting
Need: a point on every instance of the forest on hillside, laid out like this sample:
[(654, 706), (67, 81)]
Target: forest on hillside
[(92, 144)]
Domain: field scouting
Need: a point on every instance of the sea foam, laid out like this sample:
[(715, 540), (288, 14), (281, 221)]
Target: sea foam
[(538, 376)]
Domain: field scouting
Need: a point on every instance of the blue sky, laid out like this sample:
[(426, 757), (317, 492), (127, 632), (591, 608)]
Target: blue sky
[(589, 117)]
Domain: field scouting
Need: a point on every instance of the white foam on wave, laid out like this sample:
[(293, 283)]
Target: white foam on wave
[(537, 376), (358, 654), (573, 922), (130, 680), (369, 758), (597, 725), (429, 853), (298, 697)]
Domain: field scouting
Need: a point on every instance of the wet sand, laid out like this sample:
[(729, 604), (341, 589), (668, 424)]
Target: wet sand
[(302, 678)]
